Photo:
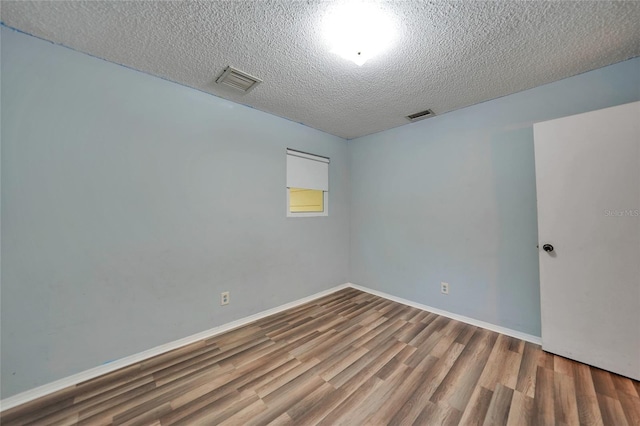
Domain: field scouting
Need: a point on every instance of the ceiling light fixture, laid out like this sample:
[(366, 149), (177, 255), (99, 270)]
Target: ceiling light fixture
[(358, 31)]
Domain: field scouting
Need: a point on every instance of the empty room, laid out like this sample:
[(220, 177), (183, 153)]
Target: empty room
[(320, 212)]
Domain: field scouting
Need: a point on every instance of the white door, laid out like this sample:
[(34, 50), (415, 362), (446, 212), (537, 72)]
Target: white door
[(588, 188)]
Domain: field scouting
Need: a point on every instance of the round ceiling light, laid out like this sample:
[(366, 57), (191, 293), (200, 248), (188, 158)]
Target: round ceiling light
[(358, 30)]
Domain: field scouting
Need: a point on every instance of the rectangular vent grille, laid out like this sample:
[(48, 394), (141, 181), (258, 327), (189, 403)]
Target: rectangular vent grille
[(238, 79), (420, 115)]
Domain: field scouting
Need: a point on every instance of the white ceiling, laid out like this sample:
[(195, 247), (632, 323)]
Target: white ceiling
[(447, 55)]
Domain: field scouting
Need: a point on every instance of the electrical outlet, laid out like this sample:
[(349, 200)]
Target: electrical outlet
[(444, 288), (224, 298)]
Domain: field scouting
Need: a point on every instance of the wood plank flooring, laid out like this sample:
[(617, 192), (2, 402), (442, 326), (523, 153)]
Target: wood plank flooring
[(349, 358)]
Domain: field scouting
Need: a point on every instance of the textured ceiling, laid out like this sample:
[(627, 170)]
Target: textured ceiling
[(447, 54)]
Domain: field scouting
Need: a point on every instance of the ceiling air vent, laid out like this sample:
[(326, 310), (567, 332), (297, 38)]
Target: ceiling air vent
[(238, 79), (420, 115)]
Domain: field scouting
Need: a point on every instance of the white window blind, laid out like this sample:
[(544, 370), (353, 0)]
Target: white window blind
[(307, 171)]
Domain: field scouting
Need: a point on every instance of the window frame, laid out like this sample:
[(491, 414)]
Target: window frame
[(325, 194)]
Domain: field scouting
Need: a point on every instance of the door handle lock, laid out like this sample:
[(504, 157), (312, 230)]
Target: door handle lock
[(548, 248)]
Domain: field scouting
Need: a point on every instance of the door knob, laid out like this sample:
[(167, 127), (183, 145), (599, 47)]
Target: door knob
[(548, 248)]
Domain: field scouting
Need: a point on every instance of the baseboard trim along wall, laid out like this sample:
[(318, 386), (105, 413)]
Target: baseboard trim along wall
[(92, 373), (498, 329)]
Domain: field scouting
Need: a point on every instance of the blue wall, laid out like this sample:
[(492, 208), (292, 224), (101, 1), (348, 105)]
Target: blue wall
[(129, 203), (453, 198)]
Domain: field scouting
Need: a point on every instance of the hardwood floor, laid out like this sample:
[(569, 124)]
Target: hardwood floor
[(349, 358)]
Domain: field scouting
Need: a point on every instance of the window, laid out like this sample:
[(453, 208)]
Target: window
[(306, 200), (307, 184)]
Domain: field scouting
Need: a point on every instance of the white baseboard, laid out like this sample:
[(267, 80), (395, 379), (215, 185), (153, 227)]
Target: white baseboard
[(498, 329), (92, 373)]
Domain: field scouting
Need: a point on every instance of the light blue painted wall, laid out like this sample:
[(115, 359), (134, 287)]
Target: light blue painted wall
[(453, 199), (129, 203)]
